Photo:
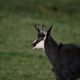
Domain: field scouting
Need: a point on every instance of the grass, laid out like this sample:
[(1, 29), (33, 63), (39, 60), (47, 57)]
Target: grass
[(18, 61), (23, 66)]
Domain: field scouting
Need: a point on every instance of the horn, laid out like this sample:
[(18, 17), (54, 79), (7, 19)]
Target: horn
[(37, 27), (40, 27)]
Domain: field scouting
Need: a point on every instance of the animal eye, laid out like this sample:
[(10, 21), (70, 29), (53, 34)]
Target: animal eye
[(43, 35), (40, 38)]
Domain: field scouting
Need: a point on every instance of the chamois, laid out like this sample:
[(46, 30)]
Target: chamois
[(65, 58)]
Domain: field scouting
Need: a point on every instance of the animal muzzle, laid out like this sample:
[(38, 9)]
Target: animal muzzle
[(33, 44)]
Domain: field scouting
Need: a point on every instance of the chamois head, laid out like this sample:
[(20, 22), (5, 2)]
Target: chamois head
[(42, 33)]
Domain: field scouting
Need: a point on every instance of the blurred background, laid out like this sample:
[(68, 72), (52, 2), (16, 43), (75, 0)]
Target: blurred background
[(18, 61)]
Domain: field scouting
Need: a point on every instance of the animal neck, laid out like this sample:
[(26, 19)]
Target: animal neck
[(51, 48)]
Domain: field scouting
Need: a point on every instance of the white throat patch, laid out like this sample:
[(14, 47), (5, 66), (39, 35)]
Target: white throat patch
[(40, 44)]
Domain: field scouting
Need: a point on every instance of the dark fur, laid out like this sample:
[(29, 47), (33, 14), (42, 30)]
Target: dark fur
[(65, 59)]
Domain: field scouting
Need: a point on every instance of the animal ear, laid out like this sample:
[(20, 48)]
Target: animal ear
[(49, 30), (44, 28)]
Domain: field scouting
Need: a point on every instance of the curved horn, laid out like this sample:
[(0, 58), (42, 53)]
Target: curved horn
[(37, 27)]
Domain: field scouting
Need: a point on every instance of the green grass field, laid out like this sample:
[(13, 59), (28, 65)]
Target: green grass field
[(18, 61)]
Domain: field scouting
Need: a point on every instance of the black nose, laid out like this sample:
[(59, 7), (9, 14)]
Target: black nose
[(33, 45)]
